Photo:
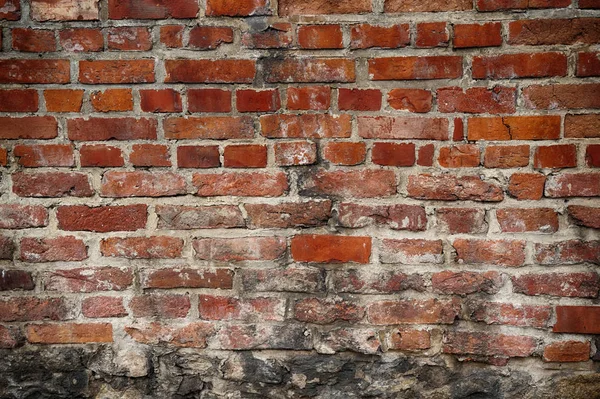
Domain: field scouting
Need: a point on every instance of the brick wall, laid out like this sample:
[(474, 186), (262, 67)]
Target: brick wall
[(315, 198)]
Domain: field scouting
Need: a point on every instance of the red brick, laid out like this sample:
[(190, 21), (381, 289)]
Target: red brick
[(555, 156), (112, 100), (364, 36), (103, 306), (545, 127), (514, 156), (527, 186), (88, 279), (491, 252), (152, 9), (359, 281), (327, 311), (10, 10), (498, 5), (308, 70), (64, 10), (427, 311), (320, 37), (129, 38), (193, 156), (589, 4), (486, 344), (3, 157), (189, 335), (31, 308), (314, 126), (295, 153), (171, 36), (582, 285), (245, 156), (476, 100), (592, 155), (588, 64), (459, 130), (573, 185), (210, 71), (510, 314), (393, 154), (411, 251), (290, 279), (568, 252), (18, 100), (164, 100), (409, 340), (577, 319), (81, 40), (401, 6), (330, 249), (359, 184), (7, 248), (243, 184), (402, 128), (32, 127), (464, 283), (478, 35), (277, 35), (35, 71), (237, 8), (66, 249), (209, 100), (566, 96), (150, 155), (510, 66), (411, 68), (142, 184), (209, 127), (567, 351), (116, 71), (240, 249), (156, 247), (288, 214), (582, 126), (432, 34), (452, 188), (461, 220), (209, 37), (344, 153), (100, 129), (63, 100), (187, 278), (102, 219), (316, 98), (15, 280), (10, 337), (359, 99), (257, 100), (36, 156), (51, 184), (554, 31), (177, 217), (396, 217), (425, 155), (69, 333), (212, 307), (516, 220), (317, 7), (160, 305), (585, 215), (459, 156), (413, 100)]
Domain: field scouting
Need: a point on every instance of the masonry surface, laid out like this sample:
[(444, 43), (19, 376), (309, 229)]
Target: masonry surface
[(300, 199)]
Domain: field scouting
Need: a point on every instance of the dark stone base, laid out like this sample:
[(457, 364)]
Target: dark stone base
[(146, 372)]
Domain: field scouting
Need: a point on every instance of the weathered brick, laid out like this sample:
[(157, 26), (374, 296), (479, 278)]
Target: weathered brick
[(189, 335), (409, 340), (359, 184), (537, 316), (15, 280), (209, 127), (411, 68), (155, 9), (577, 319), (277, 35), (210, 71), (396, 217), (459, 156), (402, 128), (209, 37), (240, 249), (514, 156), (581, 285), (526, 186), (63, 100), (463, 283), (295, 153), (28, 308), (588, 64), (129, 38), (461, 220), (198, 157), (102, 219), (476, 100), (486, 344), (243, 184), (15, 216), (103, 306), (492, 252), (317, 98), (364, 36), (345, 153), (565, 96), (585, 215), (432, 34), (327, 311), (452, 188), (164, 100), (64, 10), (257, 100), (582, 126), (308, 70), (554, 31), (288, 214), (35, 71), (498, 5), (18, 100), (515, 220), (116, 71), (317, 7), (211, 307), (291, 279), (88, 279), (306, 126), (359, 281), (567, 351), (100, 155), (69, 333), (187, 278), (401, 6), (10, 10), (573, 185), (427, 311), (171, 36), (156, 247), (393, 154), (237, 8), (150, 155), (59, 249), (413, 100), (320, 36), (164, 306), (411, 251), (81, 40), (555, 156), (51, 184), (264, 336), (142, 184), (100, 129), (478, 35), (112, 100), (522, 65), (514, 128), (568, 252), (10, 337), (32, 127), (180, 217)]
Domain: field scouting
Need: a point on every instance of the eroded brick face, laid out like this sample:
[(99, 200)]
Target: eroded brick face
[(299, 198)]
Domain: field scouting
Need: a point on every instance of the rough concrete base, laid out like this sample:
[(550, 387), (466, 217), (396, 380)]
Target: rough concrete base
[(105, 372)]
